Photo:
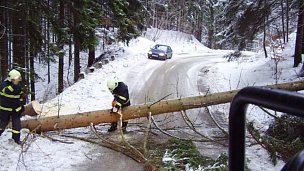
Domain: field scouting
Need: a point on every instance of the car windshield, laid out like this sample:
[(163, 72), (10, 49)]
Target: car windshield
[(160, 47)]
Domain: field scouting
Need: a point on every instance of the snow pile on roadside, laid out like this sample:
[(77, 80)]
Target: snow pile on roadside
[(253, 70)]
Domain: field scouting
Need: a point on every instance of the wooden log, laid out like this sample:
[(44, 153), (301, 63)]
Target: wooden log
[(137, 111), (32, 109)]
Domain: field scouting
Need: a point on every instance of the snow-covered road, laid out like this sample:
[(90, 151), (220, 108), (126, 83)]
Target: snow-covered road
[(152, 80), (181, 76)]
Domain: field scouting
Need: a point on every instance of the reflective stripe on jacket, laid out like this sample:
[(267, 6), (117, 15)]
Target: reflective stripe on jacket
[(10, 97), (121, 95)]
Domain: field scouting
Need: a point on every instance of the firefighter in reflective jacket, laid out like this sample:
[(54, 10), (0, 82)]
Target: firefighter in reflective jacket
[(121, 99), (11, 104)]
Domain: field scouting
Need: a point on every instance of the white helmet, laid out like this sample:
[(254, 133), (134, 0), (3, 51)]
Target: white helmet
[(14, 75), (112, 84)]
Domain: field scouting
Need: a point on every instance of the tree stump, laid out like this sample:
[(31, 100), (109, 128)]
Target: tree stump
[(98, 65), (81, 76), (91, 69), (105, 61)]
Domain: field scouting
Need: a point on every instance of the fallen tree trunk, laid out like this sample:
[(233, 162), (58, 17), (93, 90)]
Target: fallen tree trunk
[(137, 111), (32, 109)]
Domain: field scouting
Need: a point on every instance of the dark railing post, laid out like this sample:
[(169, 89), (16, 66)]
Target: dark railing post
[(278, 100)]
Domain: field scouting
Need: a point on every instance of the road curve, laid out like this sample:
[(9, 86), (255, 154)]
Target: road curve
[(150, 81), (174, 78)]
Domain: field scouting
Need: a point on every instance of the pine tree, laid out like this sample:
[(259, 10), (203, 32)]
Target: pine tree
[(127, 17)]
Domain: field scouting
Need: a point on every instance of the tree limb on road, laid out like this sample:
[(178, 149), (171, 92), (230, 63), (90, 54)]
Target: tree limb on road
[(137, 111)]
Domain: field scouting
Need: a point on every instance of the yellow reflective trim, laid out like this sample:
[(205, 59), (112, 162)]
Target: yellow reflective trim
[(122, 97), (119, 104), (10, 88), (18, 109), (1, 129), (15, 132), (6, 109), (10, 96), (127, 101)]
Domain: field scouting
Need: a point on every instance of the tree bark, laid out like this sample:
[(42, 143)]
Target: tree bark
[(91, 56), (18, 29), (283, 23), (61, 46), (76, 38), (264, 35), (4, 55), (32, 77), (137, 111), (300, 30), (287, 19)]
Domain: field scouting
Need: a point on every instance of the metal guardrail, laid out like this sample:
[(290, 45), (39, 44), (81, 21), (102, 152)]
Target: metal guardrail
[(296, 163), (279, 100)]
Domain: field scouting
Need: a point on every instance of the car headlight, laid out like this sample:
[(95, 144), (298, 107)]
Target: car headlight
[(161, 54), (149, 52)]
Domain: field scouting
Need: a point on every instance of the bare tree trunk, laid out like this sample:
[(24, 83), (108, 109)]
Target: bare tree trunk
[(91, 56), (32, 74), (3, 40), (47, 45), (70, 13), (264, 36), (76, 41), (61, 54), (265, 32), (300, 30), (211, 28), (287, 20), (283, 22), (104, 116), (18, 35), (47, 27)]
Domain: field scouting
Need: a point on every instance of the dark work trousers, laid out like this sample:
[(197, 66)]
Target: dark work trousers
[(16, 123), (124, 125)]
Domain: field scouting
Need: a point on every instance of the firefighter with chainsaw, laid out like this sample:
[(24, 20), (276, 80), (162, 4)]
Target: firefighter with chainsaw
[(11, 104), (121, 99)]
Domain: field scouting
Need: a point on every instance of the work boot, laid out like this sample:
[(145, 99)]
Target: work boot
[(18, 142), (124, 124), (124, 129), (1, 131), (16, 138), (113, 127)]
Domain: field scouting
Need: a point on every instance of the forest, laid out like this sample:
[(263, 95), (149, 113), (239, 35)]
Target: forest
[(49, 31)]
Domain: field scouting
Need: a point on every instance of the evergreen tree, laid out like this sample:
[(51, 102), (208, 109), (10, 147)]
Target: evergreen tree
[(127, 17), (244, 20)]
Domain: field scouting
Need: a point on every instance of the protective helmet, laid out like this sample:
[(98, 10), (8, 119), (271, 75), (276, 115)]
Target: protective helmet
[(13, 75), (112, 84)]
